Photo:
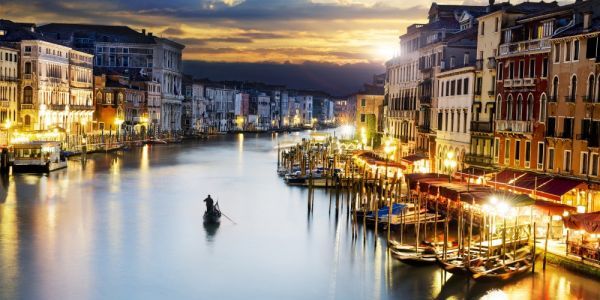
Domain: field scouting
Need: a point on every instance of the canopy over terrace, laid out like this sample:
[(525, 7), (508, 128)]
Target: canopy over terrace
[(374, 161), (589, 222), (539, 185)]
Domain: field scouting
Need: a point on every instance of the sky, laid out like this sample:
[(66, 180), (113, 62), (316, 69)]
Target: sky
[(282, 34)]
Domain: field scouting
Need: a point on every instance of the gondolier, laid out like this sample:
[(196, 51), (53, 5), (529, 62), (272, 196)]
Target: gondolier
[(209, 204)]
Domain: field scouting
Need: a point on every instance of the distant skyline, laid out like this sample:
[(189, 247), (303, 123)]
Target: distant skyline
[(330, 33)]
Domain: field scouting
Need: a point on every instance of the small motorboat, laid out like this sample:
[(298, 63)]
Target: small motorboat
[(213, 216)]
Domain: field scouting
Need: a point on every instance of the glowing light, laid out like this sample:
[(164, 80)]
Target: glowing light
[(495, 295), (502, 208), (580, 209), (565, 213), (493, 200), (556, 218), (385, 52)]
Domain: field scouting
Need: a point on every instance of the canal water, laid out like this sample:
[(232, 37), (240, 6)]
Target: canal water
[(129, 225)]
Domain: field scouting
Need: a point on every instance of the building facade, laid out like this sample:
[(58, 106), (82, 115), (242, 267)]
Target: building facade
[(9, 85)]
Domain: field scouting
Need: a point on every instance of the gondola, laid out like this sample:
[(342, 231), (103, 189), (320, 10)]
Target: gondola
[(494, 269), (213, 216), (454, 264), (421, 258)]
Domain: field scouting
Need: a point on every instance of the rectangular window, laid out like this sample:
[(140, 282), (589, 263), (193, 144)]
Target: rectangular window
[(511, 70), (466, 86), (567, 161), (500, 72), (482, 28), (568, 128), (496, 149), (584, 163), (506, 151), (527, 152), (594, 165), (362, 118), (363, 102), (453, 88), (556, 53), (591, 50), (545, 67), (576, 50), (521, 69), (567, 51), (447, 88), (440, 120), (532, 68), (27, 48), (517, 150), (540, 156), (550, 159), (459, 87), (497, 25)]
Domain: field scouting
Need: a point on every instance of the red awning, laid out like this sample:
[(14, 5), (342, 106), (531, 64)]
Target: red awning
[(413, 178), (589, 222), (553, 208), (506, 177), (554, 189)]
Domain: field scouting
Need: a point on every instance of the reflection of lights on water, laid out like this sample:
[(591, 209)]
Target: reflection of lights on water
[(495, 295)]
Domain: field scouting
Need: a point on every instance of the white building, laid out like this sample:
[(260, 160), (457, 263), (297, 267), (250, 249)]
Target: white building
[(221, 100), (455, 99), (305, 107), (81, 81), (154, 104), (167, 69), (9, 65), (199, 105)]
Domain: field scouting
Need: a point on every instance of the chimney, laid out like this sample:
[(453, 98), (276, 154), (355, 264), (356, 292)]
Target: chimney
[(149, 33), (143, 31), (587, 20)]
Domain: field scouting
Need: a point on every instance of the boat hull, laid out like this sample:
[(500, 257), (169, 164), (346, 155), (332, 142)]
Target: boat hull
[(38, 168)]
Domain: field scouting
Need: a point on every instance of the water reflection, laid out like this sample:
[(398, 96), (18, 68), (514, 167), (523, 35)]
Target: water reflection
[(211, 230), (129, 225)]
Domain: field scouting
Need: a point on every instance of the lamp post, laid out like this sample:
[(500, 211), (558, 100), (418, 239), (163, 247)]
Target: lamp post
[(450, 164), (118, 122), (388, 149)]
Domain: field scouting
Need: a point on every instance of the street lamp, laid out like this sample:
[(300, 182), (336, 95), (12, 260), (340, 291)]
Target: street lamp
[(388, 149), (118, 122), (450, 164)]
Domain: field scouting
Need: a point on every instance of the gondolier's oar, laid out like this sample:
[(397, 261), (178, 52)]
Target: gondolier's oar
[(228, 218)]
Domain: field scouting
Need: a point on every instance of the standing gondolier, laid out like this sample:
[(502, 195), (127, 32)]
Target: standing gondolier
[(209, 204)]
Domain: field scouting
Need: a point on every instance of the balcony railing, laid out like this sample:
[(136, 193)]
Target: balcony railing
[(26, 106), (56, 107), (581, 137), (569, 98), (81, 107), (477, 92), (425, 99), (491, 93), (477, 126), (491, 63), (529, 82), (478, 159), (26, 76), (8, 78), (508, 83), (524, 47), (517, 82), (587, 99), (514, 126), (592, 142), (4, 103), (552, 98), (424, 128)]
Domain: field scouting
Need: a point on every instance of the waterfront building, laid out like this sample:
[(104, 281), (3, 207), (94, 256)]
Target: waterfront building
[(345, 111), (305, 109), (125, 51), (187, 121), (403, 78), (573, 112), (369, 116), (447, 41), (153, 104), (453, 132), (221, 107), (9, 85), (521, 90), (199, 107), (80, 107)]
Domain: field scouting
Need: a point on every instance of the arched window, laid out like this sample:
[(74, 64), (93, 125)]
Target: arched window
[(543, 103), (573, 88), (519, 115), (529, 107), (590, 91), (119, 99), (28, 95), (554, 94), (509, 108)]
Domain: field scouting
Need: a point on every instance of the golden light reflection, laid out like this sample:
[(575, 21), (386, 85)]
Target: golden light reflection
[(9, 234)]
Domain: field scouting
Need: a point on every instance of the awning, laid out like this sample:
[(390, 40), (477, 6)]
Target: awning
[(554, 189), (412, 179), (411, 159), (372, 159), (473, 172), (552, 208), (506, 177), (589, 222)]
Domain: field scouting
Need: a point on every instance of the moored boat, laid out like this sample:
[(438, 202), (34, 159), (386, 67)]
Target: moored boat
[(494, 269), (38, 157)]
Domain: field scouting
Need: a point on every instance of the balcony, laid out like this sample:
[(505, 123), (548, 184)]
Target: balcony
[(475, 159), (524, 47), (582, 137), (491, 63), (479, 64), (587, 99), (491, 93), (424, 128), (26, 106), (517, 82), (81, 107), (477, 126), (570, 98), (27, 76), (477, 92), (552, 98), (514, 126), (4, 103), (529, 82), (508, 83), (8, 78), (425, 99)]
